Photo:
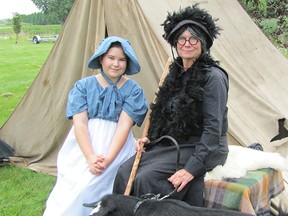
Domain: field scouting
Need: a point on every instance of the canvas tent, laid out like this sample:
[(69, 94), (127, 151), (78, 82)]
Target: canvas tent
[(258, 73)]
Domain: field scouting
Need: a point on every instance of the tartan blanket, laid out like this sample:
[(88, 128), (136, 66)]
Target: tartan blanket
[(250, 194)]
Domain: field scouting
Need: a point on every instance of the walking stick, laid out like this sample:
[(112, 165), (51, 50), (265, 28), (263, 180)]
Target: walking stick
[(144, 133)]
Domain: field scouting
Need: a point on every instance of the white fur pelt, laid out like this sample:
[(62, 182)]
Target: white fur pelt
[(242, 159)]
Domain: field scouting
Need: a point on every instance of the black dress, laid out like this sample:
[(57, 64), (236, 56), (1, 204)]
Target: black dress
[(191, 107)]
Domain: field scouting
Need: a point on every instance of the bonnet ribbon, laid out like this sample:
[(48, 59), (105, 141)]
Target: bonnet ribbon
[(110, 98)]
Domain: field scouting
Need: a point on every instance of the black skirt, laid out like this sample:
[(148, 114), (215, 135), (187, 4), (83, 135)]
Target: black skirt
[(157, 164)]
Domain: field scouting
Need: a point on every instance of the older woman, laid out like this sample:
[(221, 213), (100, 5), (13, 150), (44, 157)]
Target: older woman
[(191, 108)]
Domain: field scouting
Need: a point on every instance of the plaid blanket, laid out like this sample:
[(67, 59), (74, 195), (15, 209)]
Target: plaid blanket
[(250, 194)]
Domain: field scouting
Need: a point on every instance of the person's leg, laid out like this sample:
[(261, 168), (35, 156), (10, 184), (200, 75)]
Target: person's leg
[(122, 176), (153, 179), (194, 194), (154, 169)]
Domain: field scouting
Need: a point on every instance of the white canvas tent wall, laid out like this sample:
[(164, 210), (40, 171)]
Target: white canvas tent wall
[(258, 73)]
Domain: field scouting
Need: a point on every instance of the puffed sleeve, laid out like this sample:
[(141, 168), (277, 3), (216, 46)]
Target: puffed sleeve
[(77, 100), (136, 106)]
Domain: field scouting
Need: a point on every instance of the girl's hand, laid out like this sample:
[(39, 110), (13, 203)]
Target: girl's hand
[(138, 146), (97, 165)]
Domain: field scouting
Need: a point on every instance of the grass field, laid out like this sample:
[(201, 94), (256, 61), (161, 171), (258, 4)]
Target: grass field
[(19, 65), (22, 191), (28, 30)]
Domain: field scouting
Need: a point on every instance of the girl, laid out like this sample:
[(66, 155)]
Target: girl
[(104, 109)]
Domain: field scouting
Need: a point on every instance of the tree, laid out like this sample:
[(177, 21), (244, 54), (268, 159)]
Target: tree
[(55, 11), (34, 18), (16, 23), (272, 18)]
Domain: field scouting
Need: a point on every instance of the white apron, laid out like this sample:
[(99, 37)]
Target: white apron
[(75, 184)]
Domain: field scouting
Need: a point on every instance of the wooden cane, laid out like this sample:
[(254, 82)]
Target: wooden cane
[(144, 133)]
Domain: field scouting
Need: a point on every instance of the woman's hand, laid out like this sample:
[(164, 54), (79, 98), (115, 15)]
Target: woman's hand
[(180, 179), (138, 146)]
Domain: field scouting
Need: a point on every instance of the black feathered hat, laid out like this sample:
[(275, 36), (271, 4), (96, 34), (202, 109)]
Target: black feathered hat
[(190, 16)]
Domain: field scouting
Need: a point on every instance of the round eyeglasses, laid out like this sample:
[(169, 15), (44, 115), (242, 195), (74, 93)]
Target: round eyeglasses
[(181, 41)]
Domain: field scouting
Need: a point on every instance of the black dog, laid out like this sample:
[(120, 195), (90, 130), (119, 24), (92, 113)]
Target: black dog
[(120, 205)]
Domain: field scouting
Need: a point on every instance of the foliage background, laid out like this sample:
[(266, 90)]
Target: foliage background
[(272, 17)]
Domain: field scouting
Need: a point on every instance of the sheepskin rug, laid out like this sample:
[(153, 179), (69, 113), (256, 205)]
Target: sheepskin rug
[(242, 159)]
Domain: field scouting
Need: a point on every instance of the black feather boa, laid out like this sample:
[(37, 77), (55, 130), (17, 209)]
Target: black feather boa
[(177, 110)]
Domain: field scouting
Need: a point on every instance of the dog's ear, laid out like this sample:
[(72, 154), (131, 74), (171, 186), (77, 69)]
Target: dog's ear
[(95, 206), (104, 207), (91, 205)]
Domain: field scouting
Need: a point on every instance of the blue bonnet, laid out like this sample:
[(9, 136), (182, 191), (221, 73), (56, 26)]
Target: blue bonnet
[(133, 66)]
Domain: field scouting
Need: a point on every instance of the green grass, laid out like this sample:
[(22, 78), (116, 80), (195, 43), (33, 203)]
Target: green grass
[(19, 65), (23, 192)]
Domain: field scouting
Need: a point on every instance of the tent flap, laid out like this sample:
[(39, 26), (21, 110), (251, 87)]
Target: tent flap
[(5, 150)]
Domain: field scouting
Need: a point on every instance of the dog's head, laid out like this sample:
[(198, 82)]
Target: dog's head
[(113, 205), (103, 207)]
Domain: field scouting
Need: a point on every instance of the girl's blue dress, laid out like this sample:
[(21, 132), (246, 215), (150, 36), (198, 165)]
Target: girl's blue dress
[(75, 184)]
